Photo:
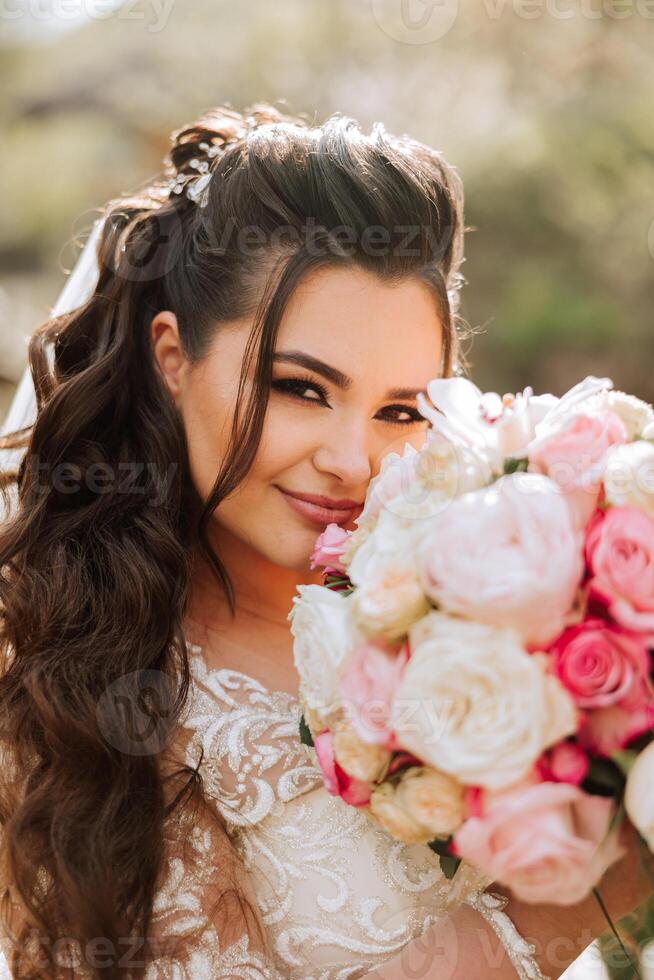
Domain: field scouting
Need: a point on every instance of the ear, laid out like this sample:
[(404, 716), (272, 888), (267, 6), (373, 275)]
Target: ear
[(168, 352)]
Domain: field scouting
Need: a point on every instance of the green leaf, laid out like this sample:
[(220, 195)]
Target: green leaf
[(616, 818), (449, 865), (512, 464), (441, 845), (305, 732), (624, 758), (604, 778)]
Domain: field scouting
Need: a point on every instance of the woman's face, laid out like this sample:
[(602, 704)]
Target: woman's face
[(329, 422)]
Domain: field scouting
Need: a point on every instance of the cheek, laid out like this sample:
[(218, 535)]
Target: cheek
[(206, 423), (286, 440)]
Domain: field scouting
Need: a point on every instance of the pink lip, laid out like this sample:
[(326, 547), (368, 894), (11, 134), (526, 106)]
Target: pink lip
[(313, 507)]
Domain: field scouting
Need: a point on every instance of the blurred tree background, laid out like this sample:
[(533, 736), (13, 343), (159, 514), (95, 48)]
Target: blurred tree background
[(544, 106)]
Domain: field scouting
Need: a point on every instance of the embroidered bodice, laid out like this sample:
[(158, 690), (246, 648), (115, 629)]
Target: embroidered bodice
[(337, 896)]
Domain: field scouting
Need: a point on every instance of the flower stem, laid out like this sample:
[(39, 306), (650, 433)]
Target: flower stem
[(608, 918)]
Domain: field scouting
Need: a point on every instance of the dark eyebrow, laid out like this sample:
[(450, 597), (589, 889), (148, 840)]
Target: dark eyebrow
[(333, 374)]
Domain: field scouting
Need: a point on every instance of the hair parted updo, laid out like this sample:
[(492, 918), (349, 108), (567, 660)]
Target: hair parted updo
[(94, 584)]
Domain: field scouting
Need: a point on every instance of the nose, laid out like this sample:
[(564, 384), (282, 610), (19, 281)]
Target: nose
[(347, 453)]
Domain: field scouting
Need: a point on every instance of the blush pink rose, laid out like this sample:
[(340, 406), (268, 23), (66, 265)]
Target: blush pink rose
[(565, 763), (356, 792), (328, 549), (620, 557), (599, 663), (507, 555), (367, 688), (545, 841), (574, 458)]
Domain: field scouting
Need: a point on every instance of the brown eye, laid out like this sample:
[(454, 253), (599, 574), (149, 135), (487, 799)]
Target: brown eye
[(413, 413), (296, 386)]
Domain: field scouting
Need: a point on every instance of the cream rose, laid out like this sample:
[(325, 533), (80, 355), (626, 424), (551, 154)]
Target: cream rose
[(435, 799), (390, 599), (473, 703), (639, 794), (360, 759), (422, 805), (325, 637), (629, 476)]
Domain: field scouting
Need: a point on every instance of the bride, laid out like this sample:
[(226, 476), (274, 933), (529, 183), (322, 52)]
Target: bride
[(238, 347)]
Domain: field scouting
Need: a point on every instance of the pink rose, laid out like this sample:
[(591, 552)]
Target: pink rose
[(605, 730), (356, 792), (620, 557), (328, 549), (574, 458), (367, 688), (598, 663), (544, 840), (565, 763)]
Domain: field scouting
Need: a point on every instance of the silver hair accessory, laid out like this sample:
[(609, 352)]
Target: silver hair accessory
[(196, 186)]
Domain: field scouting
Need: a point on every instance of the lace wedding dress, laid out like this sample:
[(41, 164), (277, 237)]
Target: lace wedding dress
[(337, 896)]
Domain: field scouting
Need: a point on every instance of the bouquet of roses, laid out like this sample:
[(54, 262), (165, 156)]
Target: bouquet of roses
[(476, 671)]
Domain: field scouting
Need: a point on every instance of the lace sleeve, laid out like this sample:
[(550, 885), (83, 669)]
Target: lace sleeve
[(200, 929), (521, 953)]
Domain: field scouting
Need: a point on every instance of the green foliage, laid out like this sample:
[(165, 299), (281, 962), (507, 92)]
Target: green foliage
[(514, 465), (305, 732), (449, 862)]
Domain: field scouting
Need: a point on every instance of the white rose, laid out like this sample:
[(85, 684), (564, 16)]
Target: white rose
[(634, 412), (325, 637), (639, 794), (574, 402), (390, 599), (391, 537), (629, 476), (395, 476), (407, 492), (440, 472), (473, 703)]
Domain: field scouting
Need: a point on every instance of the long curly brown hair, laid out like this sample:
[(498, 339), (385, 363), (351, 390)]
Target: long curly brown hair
[(94, 584)]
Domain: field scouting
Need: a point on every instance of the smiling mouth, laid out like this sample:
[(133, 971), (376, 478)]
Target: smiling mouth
[(319, 515)]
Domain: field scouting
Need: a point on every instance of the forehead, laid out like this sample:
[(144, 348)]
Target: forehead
[(349, 315)]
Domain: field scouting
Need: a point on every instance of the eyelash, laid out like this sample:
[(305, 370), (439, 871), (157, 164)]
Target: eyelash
[(293, 387)]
